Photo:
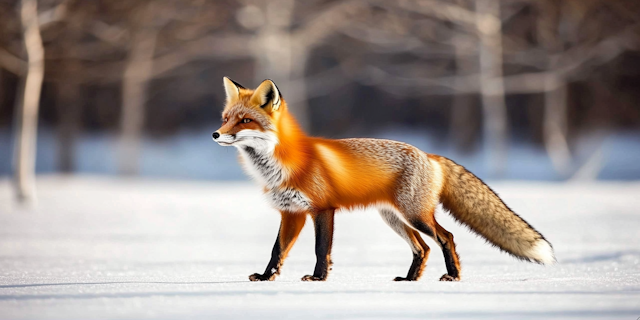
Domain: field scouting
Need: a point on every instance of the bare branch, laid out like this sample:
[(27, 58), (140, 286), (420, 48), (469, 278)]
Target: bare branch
[(327, 22), (210, 47), (572, 60), (465, 84), (57, 13), (12, 63), (598, 54), (440, 10), (111, 34)]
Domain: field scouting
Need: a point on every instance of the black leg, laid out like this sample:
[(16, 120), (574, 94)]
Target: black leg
[(418, 246), (420, 256), (323, 222), (273, 267), (290, 228), (451, 259)]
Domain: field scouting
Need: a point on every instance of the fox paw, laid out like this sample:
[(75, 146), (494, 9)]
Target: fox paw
[(312, 278), (261, 277), (446, 277), (403, 279)]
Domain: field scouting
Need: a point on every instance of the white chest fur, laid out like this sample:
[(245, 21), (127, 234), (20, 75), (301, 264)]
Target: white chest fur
[(262, 166), (265, 168)]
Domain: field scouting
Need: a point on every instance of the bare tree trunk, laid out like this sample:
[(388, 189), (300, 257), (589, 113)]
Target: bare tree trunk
[(2, 89), (462, 127), (492, 85), (298, 95), (137, 74), (27, 126), (69, 100), (69, 118), (555, 125), (280, 59), (555, 95)]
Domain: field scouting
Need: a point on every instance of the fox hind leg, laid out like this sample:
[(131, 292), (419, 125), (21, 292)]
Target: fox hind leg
[(418, 246), (444, 238), (425, 223)]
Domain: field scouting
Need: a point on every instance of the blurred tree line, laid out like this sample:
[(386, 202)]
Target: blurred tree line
[(472, 71)]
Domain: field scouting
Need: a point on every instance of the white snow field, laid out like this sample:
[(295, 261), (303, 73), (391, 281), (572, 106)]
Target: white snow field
[(106, 248)]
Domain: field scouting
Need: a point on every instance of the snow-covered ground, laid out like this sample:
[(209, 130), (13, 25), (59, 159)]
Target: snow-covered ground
[(96, 248)]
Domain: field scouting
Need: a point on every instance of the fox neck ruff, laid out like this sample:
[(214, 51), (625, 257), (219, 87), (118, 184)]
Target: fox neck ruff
[(275, 158), (262, 165)]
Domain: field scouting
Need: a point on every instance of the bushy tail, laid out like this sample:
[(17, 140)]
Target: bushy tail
[(475, 205)]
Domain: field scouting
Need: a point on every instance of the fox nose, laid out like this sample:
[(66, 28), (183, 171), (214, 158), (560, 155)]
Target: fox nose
[(215, 135)]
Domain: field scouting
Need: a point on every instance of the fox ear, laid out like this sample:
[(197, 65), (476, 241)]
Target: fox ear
[(267, 96), (232, 89)]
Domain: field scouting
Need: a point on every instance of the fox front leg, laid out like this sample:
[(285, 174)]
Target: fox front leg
[(323, 223), (290, 228)]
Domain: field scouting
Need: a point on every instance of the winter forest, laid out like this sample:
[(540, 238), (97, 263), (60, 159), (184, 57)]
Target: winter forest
[(475, 77), (116, 203)]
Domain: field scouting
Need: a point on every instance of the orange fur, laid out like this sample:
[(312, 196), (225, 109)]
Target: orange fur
[(354, 179)]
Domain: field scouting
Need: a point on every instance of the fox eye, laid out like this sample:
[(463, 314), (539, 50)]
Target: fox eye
[(225, 120), (246, 120)]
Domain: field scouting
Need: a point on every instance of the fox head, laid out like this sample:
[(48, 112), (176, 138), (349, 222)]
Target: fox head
[(250, 116)]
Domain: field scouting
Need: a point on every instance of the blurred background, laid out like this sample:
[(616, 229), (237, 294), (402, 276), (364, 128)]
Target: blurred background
[(517, 89)]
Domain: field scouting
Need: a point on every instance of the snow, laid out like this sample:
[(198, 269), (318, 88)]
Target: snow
[(108, 248)]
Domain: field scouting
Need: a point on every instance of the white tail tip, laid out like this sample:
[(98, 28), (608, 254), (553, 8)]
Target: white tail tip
[(542, 252)]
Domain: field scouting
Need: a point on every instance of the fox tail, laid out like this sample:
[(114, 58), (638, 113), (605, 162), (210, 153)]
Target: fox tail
[(472, 203)]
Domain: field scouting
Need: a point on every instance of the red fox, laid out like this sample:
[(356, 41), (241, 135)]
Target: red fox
[(304, 175)]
